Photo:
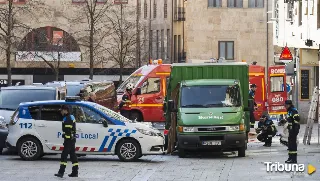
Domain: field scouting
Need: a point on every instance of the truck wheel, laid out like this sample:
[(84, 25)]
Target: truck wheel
[(181, 153), (128, 150), (136, 115), (29, 149), (242, 151)]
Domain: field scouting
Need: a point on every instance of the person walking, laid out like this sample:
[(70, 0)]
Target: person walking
[(252, 91), (293, 127), (69, 135)]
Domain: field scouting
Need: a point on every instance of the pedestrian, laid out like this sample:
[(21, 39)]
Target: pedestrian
[(92, 97), (293, 119), (267, 129), (69, 135), (125, 104), (252, 91)]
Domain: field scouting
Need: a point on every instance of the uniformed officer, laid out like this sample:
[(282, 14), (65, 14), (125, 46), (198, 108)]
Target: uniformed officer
[(252, 91), (293, 127), (125, 103), (268, 130), (69, 135)]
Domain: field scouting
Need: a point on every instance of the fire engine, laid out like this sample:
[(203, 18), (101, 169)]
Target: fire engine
[(150, 89)]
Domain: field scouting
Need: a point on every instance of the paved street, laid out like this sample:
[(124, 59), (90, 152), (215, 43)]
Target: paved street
[(226, 167)]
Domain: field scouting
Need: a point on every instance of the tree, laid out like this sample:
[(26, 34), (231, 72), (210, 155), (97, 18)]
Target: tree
[(122, 43), (97, 29), (11, 27)]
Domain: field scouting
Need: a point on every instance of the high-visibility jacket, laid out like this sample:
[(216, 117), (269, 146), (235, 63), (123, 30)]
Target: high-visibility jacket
[(69, 127)]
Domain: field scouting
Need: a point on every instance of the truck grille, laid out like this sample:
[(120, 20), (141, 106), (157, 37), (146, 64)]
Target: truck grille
[(211, 129)]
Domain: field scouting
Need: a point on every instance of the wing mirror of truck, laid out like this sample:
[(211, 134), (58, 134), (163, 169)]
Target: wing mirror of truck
[(171, 106), (138, 91)]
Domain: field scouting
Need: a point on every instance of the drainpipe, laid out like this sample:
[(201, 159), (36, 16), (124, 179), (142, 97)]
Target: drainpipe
[(267, 73)]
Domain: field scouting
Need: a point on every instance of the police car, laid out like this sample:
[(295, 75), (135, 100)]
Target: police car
[(35, 130)]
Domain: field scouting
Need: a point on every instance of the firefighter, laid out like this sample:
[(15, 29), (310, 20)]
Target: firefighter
[(268, 130), (69, 135), (293, 119), (252, 91), (125, 103)]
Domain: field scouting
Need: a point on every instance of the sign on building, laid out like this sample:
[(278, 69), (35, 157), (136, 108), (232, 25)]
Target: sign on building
[(48, 56)]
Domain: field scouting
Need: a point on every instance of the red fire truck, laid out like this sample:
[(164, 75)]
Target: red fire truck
[(150, 89), (257, 76), (277, 91)]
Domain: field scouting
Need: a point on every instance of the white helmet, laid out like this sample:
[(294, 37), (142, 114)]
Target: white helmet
[(129, 86)]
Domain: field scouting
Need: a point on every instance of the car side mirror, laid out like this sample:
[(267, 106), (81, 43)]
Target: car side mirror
[(103, 122), (171, 106), (138, 91)]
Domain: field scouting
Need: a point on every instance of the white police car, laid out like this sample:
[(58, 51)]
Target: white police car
[(35, 130)]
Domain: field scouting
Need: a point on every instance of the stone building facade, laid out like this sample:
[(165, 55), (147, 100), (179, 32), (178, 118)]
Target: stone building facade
[(68, 17)]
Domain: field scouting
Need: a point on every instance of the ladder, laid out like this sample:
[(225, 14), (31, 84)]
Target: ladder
[(311, 117)]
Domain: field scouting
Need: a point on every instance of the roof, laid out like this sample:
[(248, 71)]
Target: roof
[(208, 82), (55, 102), (207, 64), (27, 87)]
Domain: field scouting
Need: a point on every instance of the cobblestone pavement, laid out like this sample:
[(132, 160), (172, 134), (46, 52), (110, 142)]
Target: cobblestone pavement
[(197, 167)]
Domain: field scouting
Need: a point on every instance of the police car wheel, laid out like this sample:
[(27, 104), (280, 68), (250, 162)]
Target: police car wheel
[(128, 150), (29, 149)]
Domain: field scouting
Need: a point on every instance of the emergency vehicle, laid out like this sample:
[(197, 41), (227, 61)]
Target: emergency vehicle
[(150, 84), (35, 130), (257, 76)]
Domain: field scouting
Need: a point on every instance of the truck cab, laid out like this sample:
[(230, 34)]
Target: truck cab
[(150, 90)]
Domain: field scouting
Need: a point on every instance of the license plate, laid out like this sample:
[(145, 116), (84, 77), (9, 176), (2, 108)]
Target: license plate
[(209, 143)]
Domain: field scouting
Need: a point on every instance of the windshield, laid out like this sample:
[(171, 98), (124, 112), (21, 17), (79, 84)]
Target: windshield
[(10, 99), (112, 114), (73, 90), (132, 79), (211, 96)]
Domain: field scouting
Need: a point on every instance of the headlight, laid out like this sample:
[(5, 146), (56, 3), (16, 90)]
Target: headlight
[(234, 128), (146, 132)]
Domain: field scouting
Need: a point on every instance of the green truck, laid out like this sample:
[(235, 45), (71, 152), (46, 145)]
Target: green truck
[(206, 107)]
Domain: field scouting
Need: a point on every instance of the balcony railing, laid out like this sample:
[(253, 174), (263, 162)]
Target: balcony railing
[(179, 14)]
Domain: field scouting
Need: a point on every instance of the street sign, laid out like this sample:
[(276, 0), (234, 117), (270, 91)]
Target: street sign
[(286, 56)]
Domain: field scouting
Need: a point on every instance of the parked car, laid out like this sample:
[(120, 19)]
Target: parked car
[(11, 97), (35, 130)]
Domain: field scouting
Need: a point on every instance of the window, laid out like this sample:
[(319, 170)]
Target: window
[(226, 50), (51, 113), (157, 44), (215, 3), (154, 9), (145, 9), (235, 3), (168, 43), (256, 3), (86, 115), (300, 13), (151, 86), (12, 98), (211, 96), (165, 8), (276, 84), (34, 112), (162, 45), (289, 11)]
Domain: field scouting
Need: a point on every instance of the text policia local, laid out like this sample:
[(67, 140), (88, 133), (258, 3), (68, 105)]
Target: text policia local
[(82, 136), (279, 167)]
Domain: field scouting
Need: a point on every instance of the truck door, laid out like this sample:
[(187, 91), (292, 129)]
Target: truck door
[(151, 99), (277, 90)]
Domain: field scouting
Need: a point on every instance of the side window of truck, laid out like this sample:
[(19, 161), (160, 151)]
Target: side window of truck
[(151, 86)]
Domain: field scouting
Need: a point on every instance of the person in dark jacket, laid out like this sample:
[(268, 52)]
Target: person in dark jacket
[(125, 104), (267, 129), (252, 91), (69, 135), (293, 119)]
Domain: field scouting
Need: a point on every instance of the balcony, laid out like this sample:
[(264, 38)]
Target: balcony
[(179, 14)]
